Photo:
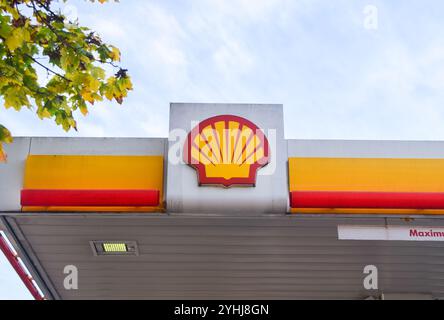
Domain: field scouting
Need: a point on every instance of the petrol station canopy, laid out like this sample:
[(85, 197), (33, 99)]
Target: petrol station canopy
[(225, 207)]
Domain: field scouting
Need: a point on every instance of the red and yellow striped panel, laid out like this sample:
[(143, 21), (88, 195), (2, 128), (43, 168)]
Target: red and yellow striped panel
[(366, 185), (93, 183)]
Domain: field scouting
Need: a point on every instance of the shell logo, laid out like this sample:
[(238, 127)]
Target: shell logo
[(226, 150)]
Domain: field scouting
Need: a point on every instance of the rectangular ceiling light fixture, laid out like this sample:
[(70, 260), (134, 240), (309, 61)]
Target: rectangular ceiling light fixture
[(114, 248)]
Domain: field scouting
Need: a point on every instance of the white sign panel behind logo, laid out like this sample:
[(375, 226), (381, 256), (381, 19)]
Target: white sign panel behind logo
[(390, 233)]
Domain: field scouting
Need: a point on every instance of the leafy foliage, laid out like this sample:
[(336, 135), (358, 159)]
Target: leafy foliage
[(33, 35)]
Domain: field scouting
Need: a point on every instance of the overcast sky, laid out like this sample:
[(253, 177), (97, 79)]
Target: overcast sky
[(337, 73)]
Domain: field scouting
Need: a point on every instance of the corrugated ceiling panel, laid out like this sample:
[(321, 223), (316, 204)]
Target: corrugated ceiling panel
[(227, 257)]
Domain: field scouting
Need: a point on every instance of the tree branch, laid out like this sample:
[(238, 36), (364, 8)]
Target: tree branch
[(47, 8), (47, 69)]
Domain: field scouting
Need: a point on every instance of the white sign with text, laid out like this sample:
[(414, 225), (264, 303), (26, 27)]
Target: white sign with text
[(390, 233)]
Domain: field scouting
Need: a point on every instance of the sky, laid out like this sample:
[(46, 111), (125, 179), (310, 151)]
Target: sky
[(342, 69)]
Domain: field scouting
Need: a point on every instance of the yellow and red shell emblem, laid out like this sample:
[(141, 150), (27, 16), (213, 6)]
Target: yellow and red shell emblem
[(226, 150)]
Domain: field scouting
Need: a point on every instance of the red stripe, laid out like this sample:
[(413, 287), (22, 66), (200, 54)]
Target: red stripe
[(366, 200), (13, 260), (90, 198)]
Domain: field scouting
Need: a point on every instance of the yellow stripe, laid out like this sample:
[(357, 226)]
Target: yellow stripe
[(368, 175), (94, 172)]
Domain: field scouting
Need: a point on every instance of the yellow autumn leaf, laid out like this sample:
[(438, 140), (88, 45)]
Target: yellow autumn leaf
[(13, 11), (115, 54), (83, 109), (17, 37), (2, 154), (93, 84), (43, 113), (87, 95), (125, 84), (5, 137)]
